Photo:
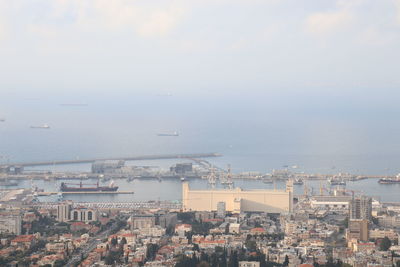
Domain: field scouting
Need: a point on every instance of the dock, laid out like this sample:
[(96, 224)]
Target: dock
[(83, 161), (86, 192)]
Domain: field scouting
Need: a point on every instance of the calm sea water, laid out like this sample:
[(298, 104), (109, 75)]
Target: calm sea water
[(151, 189), (253, 134)]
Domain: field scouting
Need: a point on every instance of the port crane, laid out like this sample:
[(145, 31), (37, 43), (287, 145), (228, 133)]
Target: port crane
[(212, 178), (226, 179)]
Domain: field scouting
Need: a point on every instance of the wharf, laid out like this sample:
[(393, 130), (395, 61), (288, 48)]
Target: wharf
[(84, 192)]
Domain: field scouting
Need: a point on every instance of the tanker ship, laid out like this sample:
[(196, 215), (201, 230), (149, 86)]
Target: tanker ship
[(81, 187)]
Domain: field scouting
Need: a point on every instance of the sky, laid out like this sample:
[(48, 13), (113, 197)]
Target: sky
[(297, 77), (195, 47)]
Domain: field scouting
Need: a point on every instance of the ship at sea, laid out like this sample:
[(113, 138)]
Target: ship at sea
[(395, 180), (44, 126), (81, 187), (168, 134)]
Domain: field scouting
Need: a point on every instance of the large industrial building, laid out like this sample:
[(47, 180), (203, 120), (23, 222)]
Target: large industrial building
[(238, 200)]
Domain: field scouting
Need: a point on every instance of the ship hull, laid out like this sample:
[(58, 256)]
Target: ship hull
[(65, 188), (381, 181), (90, 189)]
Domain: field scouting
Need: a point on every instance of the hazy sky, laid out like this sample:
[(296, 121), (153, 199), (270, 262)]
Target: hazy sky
[(194, 47), (262, 76)]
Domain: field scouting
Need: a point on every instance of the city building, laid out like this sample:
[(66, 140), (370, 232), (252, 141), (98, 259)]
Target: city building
[(238, 200), (336, 203), (221, 209), (142, 221), (234, 228), (83, 215), (166, 219), (361, 208), (249, 264), (358, 229), (10, 223), (64, 211)]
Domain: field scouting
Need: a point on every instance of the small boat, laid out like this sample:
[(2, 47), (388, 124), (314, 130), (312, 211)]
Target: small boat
[(268, 181), (298, 181), (333, 181), (183, 179)]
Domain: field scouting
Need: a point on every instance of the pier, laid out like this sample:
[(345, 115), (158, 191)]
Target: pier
[(134, 158)]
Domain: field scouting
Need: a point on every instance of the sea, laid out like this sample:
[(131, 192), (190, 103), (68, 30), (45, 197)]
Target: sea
[(252, 133)]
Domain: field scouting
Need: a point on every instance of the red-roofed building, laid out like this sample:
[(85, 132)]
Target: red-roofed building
[(257, 231), (30, 217), (23, 241), (50, 259)]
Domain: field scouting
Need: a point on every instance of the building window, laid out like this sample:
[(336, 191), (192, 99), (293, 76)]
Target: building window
[(90, 216), (75, 215)]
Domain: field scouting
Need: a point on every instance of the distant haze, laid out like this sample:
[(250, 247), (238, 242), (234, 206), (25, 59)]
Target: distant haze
[(266, 83)]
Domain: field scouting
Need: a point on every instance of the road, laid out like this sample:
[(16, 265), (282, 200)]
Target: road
[(91, 244)]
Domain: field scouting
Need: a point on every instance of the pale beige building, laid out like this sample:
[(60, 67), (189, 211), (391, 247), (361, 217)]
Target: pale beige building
[(238, 200), (10, 222), (249, 264)]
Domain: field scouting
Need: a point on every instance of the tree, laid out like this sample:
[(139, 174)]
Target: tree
[(109, 259), (123, 241), (60, 263), (385, 244), (233, 260), (196, 247), (251, 245), (114, 241), (151, 251), (203, 264), (286, 262)]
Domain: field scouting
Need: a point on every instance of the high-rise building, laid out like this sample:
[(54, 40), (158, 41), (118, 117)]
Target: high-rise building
[(358, 229), (221, 209), (142, 221), (360, 208), (64, 211)]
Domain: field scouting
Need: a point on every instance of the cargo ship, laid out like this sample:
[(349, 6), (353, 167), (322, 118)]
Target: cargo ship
[(88, 187), (395, 180)]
